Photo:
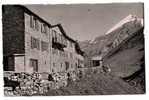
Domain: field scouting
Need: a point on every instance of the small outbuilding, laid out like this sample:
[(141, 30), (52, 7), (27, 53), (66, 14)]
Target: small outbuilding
[(96, 61)]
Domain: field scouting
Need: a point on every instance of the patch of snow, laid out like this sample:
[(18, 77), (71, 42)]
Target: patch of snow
[(92, 41)]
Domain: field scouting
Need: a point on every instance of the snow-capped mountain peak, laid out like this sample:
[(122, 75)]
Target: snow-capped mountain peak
[(129, 18)]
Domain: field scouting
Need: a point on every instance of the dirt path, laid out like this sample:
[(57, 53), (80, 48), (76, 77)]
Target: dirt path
[(96, 84)]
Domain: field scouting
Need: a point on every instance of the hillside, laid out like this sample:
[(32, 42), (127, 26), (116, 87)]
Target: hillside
[(102, 44), (123, 51), (128, 61)]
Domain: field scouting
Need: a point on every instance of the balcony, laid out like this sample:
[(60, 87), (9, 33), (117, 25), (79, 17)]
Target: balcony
[(58, 43)]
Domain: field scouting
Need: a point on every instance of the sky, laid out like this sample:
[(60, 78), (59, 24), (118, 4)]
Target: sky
[(87, 21)]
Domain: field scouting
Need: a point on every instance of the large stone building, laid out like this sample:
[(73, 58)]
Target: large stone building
[(31, 44)]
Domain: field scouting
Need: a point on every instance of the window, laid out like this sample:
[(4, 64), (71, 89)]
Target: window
[(34, 64), (65, 41), (54, 38), (44, 46), (67, 65), (96, 63), (44, 28), (31, 22), (59, 38), (34, 23), (52, 70), (61, 65), (34, 43)]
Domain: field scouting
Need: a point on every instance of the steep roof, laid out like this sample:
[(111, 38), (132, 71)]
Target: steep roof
[(63, 32)]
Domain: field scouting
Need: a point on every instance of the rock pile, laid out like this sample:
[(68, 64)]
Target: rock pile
[(25, 84)]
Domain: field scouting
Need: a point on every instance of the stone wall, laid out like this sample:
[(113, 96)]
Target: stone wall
[(29, 84), (25, 84)]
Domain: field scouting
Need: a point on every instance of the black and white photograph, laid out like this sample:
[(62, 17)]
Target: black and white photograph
[(73, 49)]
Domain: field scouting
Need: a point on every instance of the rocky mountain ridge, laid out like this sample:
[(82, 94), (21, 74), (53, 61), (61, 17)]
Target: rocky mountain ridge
[(102, 44)]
